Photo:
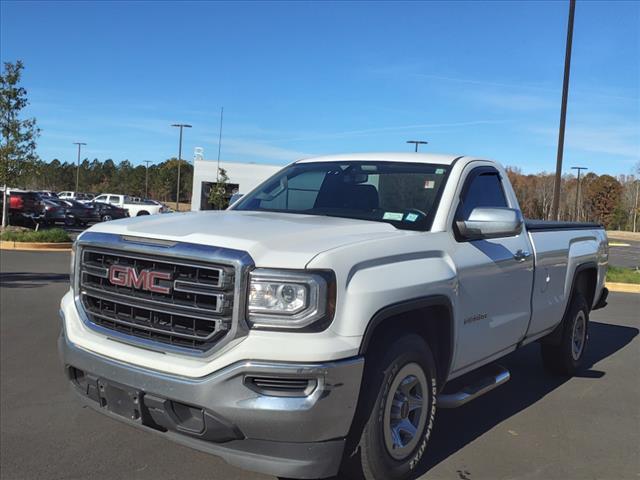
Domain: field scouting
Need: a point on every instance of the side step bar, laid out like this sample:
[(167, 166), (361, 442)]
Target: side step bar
[(496, 377)]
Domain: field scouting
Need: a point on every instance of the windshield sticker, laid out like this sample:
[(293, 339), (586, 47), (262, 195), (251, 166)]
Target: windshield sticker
[(429, 184), (440, 171), (392, 216), (411, 217)]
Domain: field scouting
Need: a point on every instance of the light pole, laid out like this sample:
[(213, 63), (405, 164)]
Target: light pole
[(563, 112), (181, 126), (417, 142), (78, 167), (578, 187), (635, 210), (146, 180)]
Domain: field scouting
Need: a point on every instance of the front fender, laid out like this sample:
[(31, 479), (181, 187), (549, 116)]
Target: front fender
[(377, 274)]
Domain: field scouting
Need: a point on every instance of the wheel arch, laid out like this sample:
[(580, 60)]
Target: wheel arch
[(585, 281), (431, 317)]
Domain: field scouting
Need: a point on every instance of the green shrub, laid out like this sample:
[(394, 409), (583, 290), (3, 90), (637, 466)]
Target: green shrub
[(53, 235), (623, 275)]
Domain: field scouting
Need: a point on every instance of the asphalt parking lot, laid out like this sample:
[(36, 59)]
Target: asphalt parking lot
[(534, 427), (624, 253)]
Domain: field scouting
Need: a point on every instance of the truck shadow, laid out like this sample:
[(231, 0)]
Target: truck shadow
[(529, 383), (31, 280)]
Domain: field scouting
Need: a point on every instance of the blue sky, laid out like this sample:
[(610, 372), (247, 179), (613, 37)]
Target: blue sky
[(295, 79)]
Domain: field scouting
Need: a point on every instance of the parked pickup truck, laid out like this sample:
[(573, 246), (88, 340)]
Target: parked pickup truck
[(135, 208), (317, 325)]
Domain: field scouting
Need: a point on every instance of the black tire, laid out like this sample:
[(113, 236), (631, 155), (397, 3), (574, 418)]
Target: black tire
[(69, 221), (106, 218), (567, 357), (389, 375), (142, 212)]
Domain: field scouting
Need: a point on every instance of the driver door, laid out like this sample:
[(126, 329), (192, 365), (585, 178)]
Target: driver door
[(495, 277)]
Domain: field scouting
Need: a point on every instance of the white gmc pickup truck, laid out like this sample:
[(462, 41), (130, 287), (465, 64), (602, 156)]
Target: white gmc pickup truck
[(316, 326)]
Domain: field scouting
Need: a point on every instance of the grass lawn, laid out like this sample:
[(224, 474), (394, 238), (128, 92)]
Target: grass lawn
[(53, 235), (623, 275)]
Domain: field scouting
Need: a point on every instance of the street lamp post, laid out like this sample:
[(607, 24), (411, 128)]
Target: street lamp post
[(146, 180), (181, 126), (635, 209), (578, 187), (78, 167), (555, 209), (417, 142)]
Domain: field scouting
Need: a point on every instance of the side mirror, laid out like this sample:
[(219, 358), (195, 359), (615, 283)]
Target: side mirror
[(491, 223)]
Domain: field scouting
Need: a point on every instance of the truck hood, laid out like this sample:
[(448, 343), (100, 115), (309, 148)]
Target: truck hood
[(279, 240)]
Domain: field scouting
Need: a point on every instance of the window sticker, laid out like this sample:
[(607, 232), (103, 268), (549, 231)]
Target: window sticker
[(411, 217), (429, 184), (439, 171), (392, 216)]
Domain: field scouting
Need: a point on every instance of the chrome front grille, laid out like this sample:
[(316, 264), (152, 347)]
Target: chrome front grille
[(160, 299)]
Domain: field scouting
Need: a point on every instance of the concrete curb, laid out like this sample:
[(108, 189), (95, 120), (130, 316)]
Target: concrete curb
[(33, 246), (623, 287)]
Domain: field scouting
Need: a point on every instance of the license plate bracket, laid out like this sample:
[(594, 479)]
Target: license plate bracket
[(119, 399)]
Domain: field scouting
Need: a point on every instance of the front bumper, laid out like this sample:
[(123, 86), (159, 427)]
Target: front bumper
[(300, 435)]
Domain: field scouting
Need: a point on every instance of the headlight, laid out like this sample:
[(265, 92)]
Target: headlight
[(290, 299)]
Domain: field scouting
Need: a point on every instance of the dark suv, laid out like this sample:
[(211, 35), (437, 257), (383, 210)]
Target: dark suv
[(25, 208)]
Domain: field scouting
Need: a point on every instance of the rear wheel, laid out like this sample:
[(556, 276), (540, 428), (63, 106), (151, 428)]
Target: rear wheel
[(567, 357), (396, 415), (106, 218)]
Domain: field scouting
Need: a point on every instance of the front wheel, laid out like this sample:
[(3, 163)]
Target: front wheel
[(106, 218), (567, 357), (398, 409)]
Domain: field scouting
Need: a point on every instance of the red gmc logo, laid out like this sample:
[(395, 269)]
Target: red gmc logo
[(143, 280)]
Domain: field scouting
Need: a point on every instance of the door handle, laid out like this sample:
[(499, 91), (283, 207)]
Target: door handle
[(521, 255)]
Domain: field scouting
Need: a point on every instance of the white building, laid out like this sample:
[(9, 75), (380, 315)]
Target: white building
[(243, 177)]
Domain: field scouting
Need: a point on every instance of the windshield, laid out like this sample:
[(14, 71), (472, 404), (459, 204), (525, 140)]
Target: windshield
[(403, 194)]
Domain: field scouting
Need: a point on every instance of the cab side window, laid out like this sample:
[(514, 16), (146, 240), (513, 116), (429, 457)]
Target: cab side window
[(484, 190)]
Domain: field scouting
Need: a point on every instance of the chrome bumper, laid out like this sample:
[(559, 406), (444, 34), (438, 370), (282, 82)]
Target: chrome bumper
[(291, 436)]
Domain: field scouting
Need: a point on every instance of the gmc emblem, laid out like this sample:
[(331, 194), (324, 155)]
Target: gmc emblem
[(143, 280)]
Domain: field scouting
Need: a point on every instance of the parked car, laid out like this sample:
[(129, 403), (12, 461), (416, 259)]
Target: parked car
[(77, 196), (324, 318), (81, 213), (164, 208), (54, 212), (135, 209), (106, 211), (47, 194)]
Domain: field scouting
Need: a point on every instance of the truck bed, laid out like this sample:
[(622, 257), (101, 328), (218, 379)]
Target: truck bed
[(560, 248)]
